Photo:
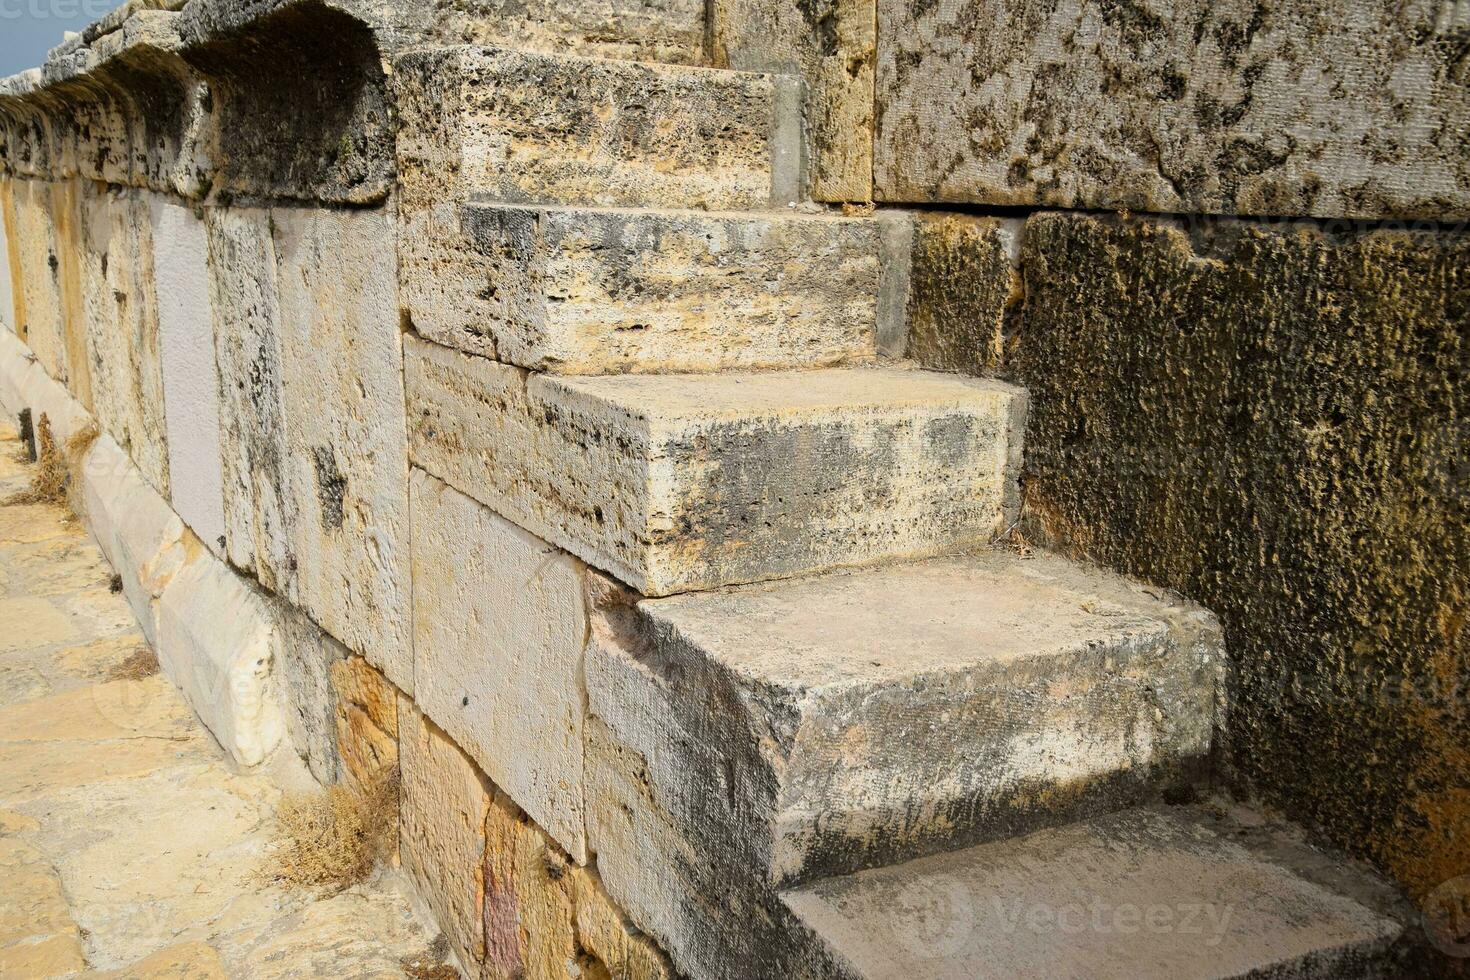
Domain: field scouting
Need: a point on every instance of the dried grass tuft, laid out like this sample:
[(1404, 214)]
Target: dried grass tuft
[(55, 474), (332, 838), (141, 663)]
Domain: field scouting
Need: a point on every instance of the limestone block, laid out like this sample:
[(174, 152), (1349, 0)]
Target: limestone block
[(499, 627), (1333, 109), (37, 267), (679, 482), (367, 721), (913, 706), (65, 209), (312, 430), (830, 44), (121, 313), (544, 914), (442, 809), (602, 291), (190, 377), (304, 664), (8, 274), (144, 540), (964, 282), (648, 30), (218, 642), (518, 126)]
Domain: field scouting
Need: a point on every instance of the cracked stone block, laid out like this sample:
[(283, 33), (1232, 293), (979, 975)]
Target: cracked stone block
[(190, 377), (677, 482), (443, 805), (1146, 892), (499, 628), (607, 291), (886, 712), (218, 642), (650, 30), (522, 127), (1332, 109), (312, 432)]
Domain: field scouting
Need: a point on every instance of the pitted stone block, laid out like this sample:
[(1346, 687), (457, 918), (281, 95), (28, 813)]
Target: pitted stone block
[(683, 482), (649, 30), (608, 291), (521, 127), (499, 628)]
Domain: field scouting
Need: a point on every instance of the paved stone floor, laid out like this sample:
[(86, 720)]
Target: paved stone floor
[(129, 846)]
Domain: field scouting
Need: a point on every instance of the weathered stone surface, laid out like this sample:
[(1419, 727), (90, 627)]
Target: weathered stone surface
[(1272, 421), (545, 916), (304, 663), (218, 641), (520, 127), (313, 436), (684, 482), (499, 627), (1142, 892), (830, 44), (190, 378), (964, 289), (883, 713), (66, 217), (1337, 109), (442, 812), (121, 313), (649, 30), (9, 275), (593, 291), (367, 721), (31, 238)]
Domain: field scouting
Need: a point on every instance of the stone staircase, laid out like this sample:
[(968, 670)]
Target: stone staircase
[(834, 732)]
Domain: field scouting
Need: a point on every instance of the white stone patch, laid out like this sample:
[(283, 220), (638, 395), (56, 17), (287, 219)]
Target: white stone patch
[(190, 381), (217, 642), (499, 628)]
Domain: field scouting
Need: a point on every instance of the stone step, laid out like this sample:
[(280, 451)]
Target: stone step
[(1176, 893), (527, 127), (850, 720), (648, 30), (609, 291), (676, 483)]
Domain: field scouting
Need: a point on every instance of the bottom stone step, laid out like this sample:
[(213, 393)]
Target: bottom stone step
[(1166, 892)]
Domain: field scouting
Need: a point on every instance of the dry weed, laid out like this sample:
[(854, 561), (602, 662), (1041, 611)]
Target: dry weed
[(55, 475), (333, 838), (140, 664)]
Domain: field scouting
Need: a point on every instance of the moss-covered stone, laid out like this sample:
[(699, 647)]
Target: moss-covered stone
[(964, 283), (1272, 421)]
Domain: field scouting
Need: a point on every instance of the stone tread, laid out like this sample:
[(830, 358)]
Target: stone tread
[(1149, 892)]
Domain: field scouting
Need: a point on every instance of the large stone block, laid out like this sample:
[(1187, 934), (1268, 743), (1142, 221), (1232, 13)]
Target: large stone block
[(313, 434), (648, 30), (830, 45), (121, 311), (190, 376), (680, 482), (443, 805), (8, 274), (367, 722), (521, 127), (305, 661), (1335, 109), (65, 208), (874, 715), (33, 241), (599, 291), (499, 626), (218, 642)]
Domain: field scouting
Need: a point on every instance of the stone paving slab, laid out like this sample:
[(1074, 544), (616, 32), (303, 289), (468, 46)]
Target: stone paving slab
[(129, 844)]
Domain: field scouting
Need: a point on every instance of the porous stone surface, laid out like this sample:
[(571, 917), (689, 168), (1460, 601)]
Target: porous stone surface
[(498, 641), (218, 641), (8, 275), (517, 126), (367, 721), (648, 30), (682, 482), (443, 805), (31, 238), (1336, 109), (1272, 421), (603, 291), (191, 389), (546, 916), (312, 428), (878, 714), (831, 46), (964, 291), (1156, 892), (304, 664)]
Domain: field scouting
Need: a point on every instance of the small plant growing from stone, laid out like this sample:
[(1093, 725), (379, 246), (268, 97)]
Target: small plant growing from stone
[(54, 476), (333, 838)]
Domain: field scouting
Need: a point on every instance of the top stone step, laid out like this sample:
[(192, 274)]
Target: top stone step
[(645, 30), (521, 127)]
